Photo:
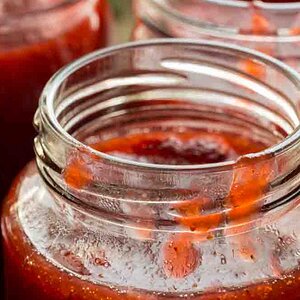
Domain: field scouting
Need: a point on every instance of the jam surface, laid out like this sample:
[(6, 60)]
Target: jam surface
[(25, 69), (29, 273), (185, 148)]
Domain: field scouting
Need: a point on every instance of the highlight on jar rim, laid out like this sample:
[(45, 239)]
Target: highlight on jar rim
[(48, 97)]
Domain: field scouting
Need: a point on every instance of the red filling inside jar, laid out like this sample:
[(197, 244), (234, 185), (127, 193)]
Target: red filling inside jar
[(177, 148), (28, 59), (39, 279)]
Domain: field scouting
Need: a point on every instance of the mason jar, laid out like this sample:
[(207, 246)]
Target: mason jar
[(162, 171), (37, 38), (272, 27)]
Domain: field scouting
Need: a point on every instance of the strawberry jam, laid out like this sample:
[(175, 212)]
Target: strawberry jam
[(182, 258), (28, 59), (175, 149), (159, 174)]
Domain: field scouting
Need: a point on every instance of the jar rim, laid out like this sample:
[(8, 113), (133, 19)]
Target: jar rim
[(47, 113), (221, 31)]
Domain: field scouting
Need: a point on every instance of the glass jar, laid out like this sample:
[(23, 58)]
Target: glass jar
[(273, 28), (84, 224), (37, 38)]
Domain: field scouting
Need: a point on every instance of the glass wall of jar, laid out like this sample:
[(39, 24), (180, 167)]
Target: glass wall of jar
[(38, 37), (162, 171), (272, 27)]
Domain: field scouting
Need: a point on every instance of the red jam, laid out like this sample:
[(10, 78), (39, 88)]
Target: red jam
[(184, 148), (27, 67), (30, 276)]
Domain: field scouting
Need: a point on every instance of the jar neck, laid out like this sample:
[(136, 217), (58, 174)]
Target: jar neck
[(128, 88), (236, 21)]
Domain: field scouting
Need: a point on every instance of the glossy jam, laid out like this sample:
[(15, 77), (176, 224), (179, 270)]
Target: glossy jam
[(183, 148), (27, 66), (31, 274)]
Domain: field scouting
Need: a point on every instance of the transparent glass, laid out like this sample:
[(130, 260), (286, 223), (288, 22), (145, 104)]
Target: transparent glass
[(272, 28), (37, 37), (113, 228)]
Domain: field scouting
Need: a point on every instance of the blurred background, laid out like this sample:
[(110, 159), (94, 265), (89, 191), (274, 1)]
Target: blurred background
[(124, 20)]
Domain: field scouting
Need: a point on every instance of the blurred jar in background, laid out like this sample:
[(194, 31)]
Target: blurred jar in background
[(37, 37), (273, 28)]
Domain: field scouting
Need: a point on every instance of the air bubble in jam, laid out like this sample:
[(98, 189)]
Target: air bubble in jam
[(71, 262), (101, 261)]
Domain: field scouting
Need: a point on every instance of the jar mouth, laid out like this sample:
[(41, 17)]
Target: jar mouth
[(212, 27), (47, 105), (13, 12)]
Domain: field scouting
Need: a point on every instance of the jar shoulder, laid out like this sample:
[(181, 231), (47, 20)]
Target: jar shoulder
[(62, 240)]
